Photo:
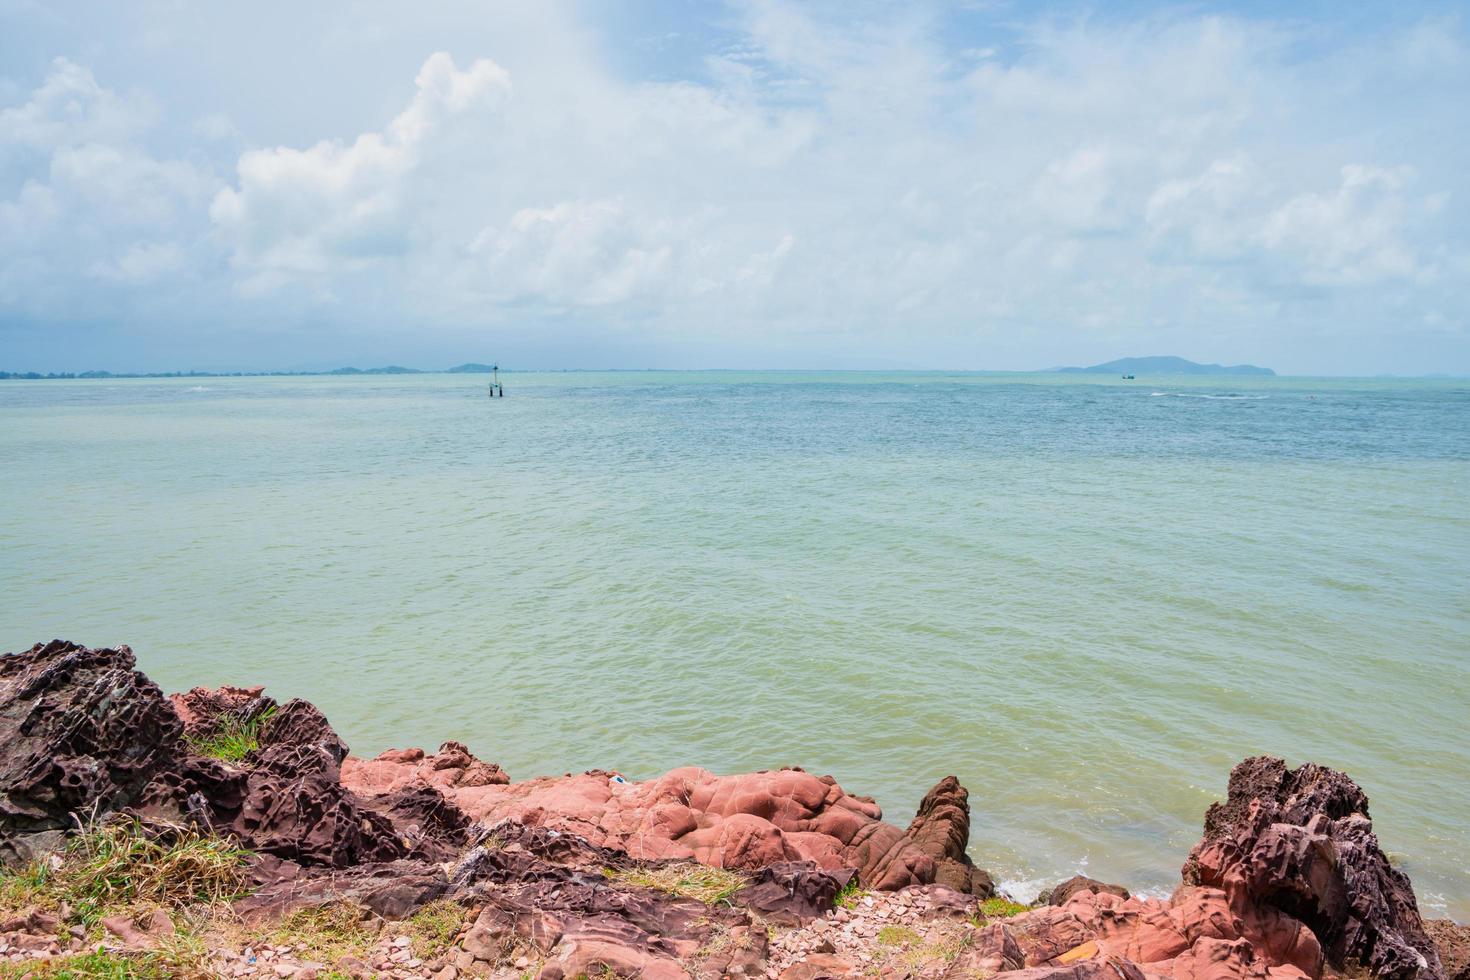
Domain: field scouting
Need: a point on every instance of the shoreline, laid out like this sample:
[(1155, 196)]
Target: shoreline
[(558, 876)]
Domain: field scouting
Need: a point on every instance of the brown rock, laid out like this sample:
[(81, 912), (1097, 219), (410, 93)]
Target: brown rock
[(1299, 845), (1081, 883), (743, 822), (792, 892), (80, 730), (1453, 942), (819, 966), (941, 830)]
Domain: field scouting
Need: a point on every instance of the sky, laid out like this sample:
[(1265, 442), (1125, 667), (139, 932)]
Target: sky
[(771, 184)]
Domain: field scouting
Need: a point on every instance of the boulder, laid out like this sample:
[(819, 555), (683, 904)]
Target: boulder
[(82, 734), (792, 893), (1080, 883), (1298, 845)]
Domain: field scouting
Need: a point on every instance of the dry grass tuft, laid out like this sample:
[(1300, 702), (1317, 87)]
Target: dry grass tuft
[(327, 932), (119, 865), (697, 881)]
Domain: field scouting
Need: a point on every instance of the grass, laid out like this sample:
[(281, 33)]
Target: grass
[(232, 738), (118, 866), (851, 894), (697, 881), (326, 932), (26, 888), (434, 927), (897, 936), (914, 951), (181, 956), (1000, 907)]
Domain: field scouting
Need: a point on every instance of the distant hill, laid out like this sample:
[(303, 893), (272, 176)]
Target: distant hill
[(1166, 365), (471, 369)]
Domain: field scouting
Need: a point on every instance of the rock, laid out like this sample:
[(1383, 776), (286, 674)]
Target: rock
[(583, 921), (393, 890), (80, 730), (1105, 968), (1298, 845), (941, 830), (742, 822), (792, 892), (204, 711), (993, 950), (405, 769), (1080, 883), (1453, 942), (819, 966), (140, 936)]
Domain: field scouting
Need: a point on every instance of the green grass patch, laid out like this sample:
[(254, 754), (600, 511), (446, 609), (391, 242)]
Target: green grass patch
[(232, 738), (26, 888), (697, 881), (850, 895), (183, 956), (1000, 907), (898, 936), (434, 927)]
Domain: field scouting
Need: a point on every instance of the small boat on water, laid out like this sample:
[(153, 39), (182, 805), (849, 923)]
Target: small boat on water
[(1128, 377)]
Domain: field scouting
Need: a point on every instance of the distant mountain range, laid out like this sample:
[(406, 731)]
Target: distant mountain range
[(1165, 365), (391, 369)]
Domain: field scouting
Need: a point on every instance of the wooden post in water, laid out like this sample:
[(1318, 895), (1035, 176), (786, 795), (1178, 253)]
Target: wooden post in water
[(496, 389)]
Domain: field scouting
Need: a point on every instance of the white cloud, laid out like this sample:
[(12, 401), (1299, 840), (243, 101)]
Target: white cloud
[(299, 213), (1352, 236), (94, 203), (810, 183)]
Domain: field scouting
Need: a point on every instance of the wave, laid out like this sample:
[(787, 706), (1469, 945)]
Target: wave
[(1225, 397)]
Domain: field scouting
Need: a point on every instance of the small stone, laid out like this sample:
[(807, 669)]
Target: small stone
[(402, 942), (522, 962)]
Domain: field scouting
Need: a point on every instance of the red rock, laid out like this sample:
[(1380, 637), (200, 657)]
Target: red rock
[(818, 966), (1293, 848), (1453, 942), (742, 822), (1081, 883)]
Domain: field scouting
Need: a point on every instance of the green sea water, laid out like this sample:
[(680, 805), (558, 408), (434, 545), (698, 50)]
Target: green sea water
[(1086, 597)]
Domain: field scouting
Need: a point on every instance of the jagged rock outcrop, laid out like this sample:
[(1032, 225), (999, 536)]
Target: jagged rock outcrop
[(1299, 843), (82, 733), (941, 829)]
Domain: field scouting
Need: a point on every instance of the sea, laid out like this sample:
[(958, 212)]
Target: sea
[(1086, 597)]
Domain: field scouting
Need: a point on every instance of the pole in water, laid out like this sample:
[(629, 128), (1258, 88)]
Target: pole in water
[(496, 389)]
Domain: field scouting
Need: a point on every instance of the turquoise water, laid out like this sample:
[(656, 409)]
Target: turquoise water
[(1085, 597)]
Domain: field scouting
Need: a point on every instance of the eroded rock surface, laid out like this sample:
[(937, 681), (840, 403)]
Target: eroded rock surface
[(1298, 844), (81, 732)]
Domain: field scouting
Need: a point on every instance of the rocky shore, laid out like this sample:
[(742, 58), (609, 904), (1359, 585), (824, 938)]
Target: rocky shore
[(219, 833)]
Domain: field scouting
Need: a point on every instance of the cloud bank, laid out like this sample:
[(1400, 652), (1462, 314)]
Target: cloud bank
[(784, 184)]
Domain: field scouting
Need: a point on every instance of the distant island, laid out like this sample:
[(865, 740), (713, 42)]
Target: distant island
[(1166, 365), (391, 369)]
